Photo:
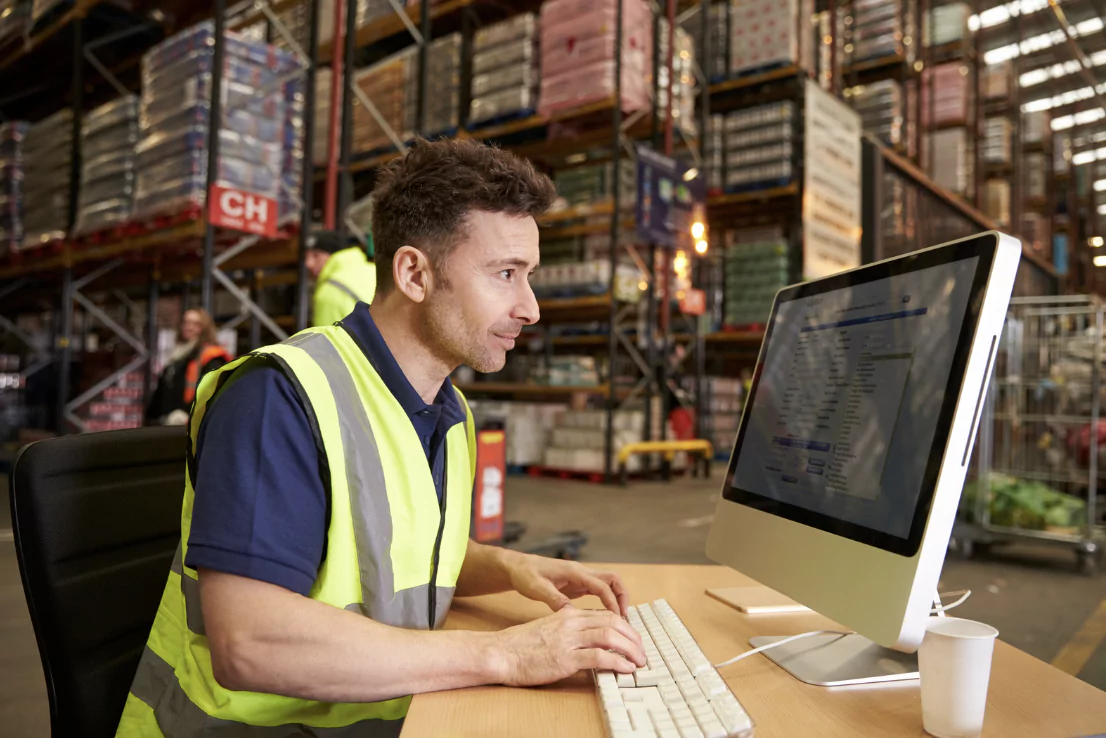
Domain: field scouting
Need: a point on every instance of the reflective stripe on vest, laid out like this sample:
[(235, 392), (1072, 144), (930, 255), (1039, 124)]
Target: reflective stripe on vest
[(156, 685), (175, 685), (343, 288)]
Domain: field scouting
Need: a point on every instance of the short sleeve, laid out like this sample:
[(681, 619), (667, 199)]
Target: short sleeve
[(260, 507)]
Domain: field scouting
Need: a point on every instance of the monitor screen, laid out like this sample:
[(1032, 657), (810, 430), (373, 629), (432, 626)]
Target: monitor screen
[(854, 395)]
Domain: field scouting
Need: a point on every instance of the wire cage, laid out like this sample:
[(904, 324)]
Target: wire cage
[(1040, 466)]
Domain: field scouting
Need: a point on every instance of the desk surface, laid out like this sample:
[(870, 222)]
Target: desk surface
[(1026, 697)]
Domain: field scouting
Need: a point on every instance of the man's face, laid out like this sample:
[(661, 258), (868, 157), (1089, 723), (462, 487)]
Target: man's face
[(316, 260), (476, 317)]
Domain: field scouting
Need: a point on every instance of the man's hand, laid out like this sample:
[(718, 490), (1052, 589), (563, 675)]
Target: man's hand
[(559, 645), (556, 582)]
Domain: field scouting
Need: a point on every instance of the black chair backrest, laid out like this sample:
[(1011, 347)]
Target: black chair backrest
[(96, 520)]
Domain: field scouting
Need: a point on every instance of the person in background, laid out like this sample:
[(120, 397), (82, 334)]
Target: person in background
[(343, 275), (197, 352)]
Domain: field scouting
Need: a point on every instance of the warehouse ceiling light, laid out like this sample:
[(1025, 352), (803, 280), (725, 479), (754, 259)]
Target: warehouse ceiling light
[(1100, 185), (1081, 118), (1056, 71), (1102, 209), (697, 230), (1100, 261), (1065, 98), (701, 246), (1095, 242), (1042, 41), (1000, 14)]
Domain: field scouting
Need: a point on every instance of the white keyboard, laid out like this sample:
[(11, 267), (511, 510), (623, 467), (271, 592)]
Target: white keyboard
[(678, 694)]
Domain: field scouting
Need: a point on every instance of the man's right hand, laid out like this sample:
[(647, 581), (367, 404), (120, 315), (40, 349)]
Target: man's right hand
[(559, 645)]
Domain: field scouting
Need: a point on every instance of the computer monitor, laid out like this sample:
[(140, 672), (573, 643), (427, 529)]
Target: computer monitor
[(853, 445)]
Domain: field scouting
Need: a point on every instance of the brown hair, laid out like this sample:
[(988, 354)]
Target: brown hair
[(207, 327), (423, 198)]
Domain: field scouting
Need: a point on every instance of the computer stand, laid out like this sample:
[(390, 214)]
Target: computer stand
[(839, 660)]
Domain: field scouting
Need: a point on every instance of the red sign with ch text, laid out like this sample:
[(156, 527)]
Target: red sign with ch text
[(491, 472), (242, 211)]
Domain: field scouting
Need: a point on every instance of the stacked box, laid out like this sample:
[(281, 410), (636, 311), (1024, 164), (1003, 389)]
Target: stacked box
[(291, 168), (878, 28), (683, 78), (11, 185), (881, 106), (1036, 126), (996, 80), (757, 267), (722, 403), (592, 276), (1035, 175), (443, 95), (506, 71), (947, 24), (322, 114), (759, 145), (998, 140), (578, 54), (120, 407), (716, 65), (579, 437), (175, 117), (385, 85), (594, 183), (527, 426), (949, 153), (109, 138), (996, 200), (47, 156), (952, 100), (770, 33), (716, 152)]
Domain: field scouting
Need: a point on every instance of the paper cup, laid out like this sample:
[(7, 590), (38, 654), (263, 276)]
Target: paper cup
[(954, 662)]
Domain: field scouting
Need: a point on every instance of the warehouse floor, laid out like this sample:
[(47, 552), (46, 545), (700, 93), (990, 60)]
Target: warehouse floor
[(1033, 597)]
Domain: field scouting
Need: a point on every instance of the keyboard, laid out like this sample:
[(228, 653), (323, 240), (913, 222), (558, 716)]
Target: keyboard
[(678, 694)]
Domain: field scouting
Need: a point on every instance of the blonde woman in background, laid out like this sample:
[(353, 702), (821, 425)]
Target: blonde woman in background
[(197, 352)]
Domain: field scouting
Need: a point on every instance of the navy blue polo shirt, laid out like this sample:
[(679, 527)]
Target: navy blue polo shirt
[(261, 510)]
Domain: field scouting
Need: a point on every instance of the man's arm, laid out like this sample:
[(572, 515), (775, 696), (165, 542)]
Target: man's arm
[(264, 638), (491, 569)]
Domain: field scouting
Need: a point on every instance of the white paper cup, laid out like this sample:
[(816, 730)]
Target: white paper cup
[(954, 662)]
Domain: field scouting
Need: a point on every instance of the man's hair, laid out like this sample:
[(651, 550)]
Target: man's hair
[(423, 198)]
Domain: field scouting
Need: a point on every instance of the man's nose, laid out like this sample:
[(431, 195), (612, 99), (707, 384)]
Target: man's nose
[(527, 310)]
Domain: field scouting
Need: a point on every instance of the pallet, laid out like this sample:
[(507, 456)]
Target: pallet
[(503, 119), (39, 250), (750, 72), (744, 328), (549, 472), (768, 184)]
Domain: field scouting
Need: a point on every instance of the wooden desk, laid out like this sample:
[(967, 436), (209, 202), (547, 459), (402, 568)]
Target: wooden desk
[(1026, 698)]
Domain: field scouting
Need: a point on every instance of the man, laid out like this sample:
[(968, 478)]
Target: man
[(328, 492), (343, 276)]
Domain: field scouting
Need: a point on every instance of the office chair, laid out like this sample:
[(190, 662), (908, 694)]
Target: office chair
[(96, 521)]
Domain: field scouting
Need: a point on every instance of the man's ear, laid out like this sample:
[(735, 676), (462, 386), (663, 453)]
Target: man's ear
[(411, 272)]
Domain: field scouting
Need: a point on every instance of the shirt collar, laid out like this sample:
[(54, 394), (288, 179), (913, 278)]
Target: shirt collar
[(363, 328)]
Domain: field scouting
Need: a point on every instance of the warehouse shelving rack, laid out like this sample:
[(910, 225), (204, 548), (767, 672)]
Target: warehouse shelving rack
[(171, 250)]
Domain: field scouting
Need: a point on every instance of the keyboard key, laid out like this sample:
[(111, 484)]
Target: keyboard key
[(678, 694)]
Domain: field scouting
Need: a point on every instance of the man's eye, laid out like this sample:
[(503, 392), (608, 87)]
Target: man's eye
[(508, 274)]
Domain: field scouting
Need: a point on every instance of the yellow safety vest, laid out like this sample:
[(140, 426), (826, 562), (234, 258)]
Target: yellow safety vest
[(393, 554), (348, 277)]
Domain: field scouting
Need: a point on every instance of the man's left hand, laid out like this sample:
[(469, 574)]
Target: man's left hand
[(557, 582)]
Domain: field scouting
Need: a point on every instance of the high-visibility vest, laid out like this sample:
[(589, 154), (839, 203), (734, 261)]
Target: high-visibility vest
[(196, 365), (348, 277), (393, 554)]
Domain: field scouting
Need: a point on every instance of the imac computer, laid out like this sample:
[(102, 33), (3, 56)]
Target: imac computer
[(853, 446)]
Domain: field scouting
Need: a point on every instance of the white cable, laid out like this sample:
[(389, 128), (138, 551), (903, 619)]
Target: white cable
[(937, 610), (781, 642), (944, 608)]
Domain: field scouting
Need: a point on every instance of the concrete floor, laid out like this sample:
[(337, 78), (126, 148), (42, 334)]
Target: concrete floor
[(1035, 598)]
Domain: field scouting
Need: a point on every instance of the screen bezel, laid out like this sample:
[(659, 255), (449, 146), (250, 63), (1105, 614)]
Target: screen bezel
[(984, 247)]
